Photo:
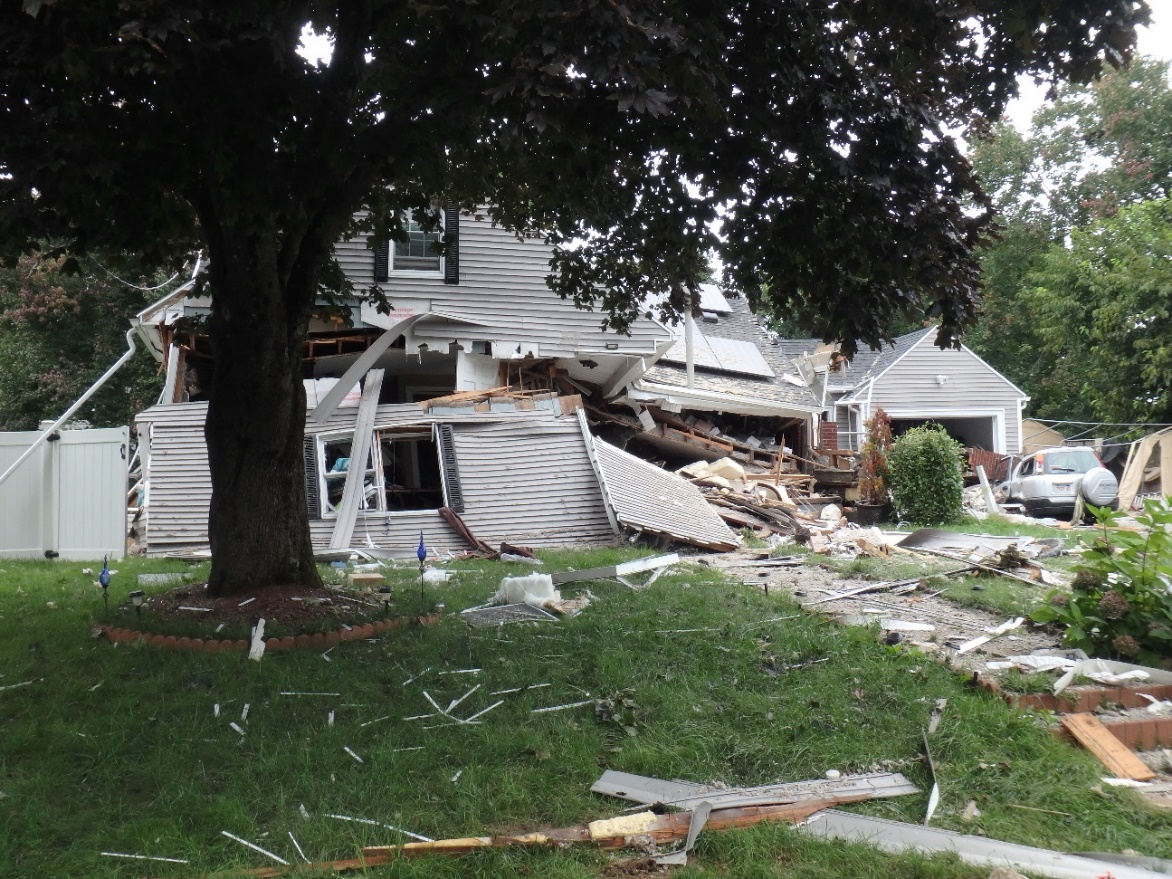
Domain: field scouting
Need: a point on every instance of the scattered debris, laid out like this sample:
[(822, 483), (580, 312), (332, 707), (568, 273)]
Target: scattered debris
[(687, 795), (357, 759), (635, 566), (1089, 731), (679, 858), (297, 846), (508, 613), (1007, 626), (154, 579), (535, 590), (894, 836), (143, 857), (257, 649), (934, 796), (565, 707), (255, 848), (1107, 671), (21, 684), (407, 833)]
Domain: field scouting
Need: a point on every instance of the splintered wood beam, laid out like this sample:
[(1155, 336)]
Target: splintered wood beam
[(608, 834), (1090, 732)]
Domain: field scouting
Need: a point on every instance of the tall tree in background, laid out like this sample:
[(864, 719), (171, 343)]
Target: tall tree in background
[(60, 329), (1097, 149), (817, 132), (1103, 308)]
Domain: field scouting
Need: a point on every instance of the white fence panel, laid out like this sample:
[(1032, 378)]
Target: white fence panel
[(68, 499)]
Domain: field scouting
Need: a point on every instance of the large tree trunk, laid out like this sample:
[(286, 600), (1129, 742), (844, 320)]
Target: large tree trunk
[(259, 520)]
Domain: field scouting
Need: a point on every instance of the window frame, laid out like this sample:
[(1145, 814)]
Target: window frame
[(376, 470), (393, 244)]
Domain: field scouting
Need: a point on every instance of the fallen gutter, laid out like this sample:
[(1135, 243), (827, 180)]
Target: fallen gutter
[(130, 334)]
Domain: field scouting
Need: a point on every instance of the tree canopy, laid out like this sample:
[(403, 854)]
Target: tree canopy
[(59, 331), (1081, 197), (816, 133)]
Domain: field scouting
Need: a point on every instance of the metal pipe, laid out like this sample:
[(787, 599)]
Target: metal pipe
[(72, 409), (689, 349)]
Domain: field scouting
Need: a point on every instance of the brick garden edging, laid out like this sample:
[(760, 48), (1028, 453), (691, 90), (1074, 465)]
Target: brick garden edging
[(316, 641), (1137, 733)]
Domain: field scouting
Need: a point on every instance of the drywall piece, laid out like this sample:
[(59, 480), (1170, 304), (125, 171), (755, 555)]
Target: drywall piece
[(893, 836), (622, 569), (1089, 731), (355, 489), (1108, 671), (687, 795)]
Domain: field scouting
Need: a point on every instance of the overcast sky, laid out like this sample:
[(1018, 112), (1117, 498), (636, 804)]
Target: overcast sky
[(1155, 41)]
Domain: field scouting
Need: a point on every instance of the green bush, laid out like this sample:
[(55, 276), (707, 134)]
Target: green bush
[(1119, 604), (926, 484)]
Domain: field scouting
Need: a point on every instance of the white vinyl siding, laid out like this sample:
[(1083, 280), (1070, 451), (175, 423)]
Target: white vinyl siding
[(503, 287), (526, 479)]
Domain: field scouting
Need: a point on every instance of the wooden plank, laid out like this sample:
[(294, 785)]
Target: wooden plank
[(1089, 731), (352, 494)]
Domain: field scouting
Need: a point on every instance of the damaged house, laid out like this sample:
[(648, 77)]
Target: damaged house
[(420, 397)]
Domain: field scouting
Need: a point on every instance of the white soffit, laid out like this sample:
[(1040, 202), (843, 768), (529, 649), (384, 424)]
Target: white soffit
[(727, 355)]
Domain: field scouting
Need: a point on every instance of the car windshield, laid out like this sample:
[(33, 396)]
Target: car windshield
[(1071, 461)]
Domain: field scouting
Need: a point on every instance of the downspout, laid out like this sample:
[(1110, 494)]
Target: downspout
[(72, 409), (689, 349)]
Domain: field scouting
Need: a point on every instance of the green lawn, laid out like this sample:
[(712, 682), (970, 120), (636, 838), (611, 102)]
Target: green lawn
[(117, 748)]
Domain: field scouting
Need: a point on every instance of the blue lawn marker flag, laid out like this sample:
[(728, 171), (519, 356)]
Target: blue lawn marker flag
[(421, 552)]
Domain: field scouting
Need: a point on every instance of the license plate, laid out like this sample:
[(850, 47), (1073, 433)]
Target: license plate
[(1063, 487)]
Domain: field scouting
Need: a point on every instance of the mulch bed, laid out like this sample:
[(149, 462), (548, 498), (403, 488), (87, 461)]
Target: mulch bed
[(294, 607), (307, 618)]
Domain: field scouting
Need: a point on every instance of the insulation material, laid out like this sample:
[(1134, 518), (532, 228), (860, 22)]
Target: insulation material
[(650, 500), (536, 590)]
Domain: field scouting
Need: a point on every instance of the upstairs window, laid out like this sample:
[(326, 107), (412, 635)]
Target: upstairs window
[(419, 253)]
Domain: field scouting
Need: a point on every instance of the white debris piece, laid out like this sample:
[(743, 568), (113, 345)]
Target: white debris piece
[(437, 576), (257, 650), (255, 848)]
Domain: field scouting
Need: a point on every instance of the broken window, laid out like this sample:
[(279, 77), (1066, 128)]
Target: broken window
[(411, 471), (335, 466), (402, 472)]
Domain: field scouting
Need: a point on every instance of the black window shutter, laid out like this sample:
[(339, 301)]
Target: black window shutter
[(452, 236), (447, 456), (382, 262), (312, 483)]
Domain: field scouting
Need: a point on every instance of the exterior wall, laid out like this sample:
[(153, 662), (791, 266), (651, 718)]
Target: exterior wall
[(972, 388), (526, 479), (502, 288)]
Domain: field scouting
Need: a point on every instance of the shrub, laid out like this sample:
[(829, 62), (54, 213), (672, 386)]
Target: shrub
[(1120, 602), (873, 471), (926, 484)]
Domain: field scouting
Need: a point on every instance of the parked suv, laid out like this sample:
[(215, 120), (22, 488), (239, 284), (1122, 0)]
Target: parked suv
[(1048, 483)]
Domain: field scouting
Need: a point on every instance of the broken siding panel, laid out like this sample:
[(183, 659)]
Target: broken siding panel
[(911, 384), (530, 484), (397, 533), (180, 486), (647, 498)]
